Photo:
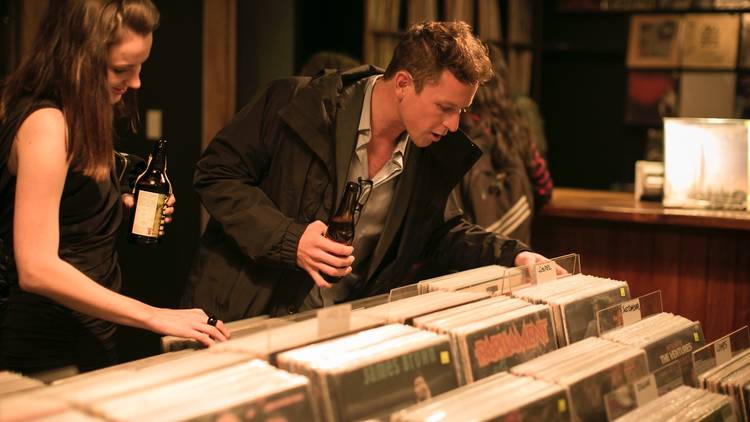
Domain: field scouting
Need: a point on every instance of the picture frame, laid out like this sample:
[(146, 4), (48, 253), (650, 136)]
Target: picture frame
[(654, 41), (710, 41)]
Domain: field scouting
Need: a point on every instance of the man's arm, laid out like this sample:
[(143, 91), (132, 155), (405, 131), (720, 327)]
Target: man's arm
[(228, 176), (461, 245)]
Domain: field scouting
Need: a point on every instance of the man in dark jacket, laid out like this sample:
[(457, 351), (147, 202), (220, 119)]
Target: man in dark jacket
[(272, 177)]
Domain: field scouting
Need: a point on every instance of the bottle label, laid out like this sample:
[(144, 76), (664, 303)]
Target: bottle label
[(147, 219)]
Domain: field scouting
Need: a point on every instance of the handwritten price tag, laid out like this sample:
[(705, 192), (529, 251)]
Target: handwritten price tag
[(723, 349), (544, 272), (645, 390), (631, 311)]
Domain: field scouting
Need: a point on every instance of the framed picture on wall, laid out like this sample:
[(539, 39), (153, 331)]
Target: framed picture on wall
[(711, 40), (654, 41)]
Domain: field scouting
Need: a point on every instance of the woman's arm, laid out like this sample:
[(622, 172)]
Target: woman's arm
[(41, 166)]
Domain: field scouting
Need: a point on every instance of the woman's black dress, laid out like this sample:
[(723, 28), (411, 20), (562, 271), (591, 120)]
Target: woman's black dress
[(36, 333)]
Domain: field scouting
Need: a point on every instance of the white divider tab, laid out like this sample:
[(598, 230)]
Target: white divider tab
[(723, 349), (334, 319), (544, 272), (648, 388), (645, 390), (631, 311)]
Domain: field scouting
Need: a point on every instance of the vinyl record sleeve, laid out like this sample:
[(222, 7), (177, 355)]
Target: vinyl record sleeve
[(289, 405), (587, 394), (392, 383), (579, 316), (553, 408), (497, 348), (676, 347)]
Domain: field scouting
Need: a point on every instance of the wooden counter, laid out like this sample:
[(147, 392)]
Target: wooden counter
[(699, 259)]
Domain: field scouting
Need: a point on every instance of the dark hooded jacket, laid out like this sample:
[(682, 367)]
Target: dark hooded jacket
[(281, 164)]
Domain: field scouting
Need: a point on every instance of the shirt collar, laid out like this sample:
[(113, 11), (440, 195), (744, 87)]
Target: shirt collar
[(364, 117), (365, 122)]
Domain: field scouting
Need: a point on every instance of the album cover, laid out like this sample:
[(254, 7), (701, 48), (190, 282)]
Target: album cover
[(289, 405), (580, 315), (389, 384), (497, 348), (587, 394), (553, 408)]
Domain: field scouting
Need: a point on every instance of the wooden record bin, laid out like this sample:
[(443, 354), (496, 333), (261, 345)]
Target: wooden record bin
[(699, 259)]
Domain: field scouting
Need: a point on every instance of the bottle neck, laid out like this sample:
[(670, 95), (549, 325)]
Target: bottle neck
[(158, 160), (349, 202)]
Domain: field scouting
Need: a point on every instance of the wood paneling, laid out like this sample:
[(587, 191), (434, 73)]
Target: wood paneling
[(219, 84), (219, 65), (700, 265)]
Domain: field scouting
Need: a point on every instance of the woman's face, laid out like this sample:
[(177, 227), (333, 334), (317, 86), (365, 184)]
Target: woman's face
[(124, 63)]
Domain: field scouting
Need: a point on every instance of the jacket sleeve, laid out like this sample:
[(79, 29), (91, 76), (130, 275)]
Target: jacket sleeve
[(228, 178), (461, 245)]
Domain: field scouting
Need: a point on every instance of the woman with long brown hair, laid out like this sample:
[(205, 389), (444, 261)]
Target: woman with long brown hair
[(60, 205), (510, 181)]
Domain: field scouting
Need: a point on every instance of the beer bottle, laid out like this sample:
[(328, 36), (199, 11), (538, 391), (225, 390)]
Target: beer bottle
[(341, 225), (152, 188)]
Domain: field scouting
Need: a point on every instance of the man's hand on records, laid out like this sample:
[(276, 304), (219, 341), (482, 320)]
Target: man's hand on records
[(187, 323), (317, 254), (527, 258)]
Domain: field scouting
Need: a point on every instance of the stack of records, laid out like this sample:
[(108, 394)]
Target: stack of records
[(10, 383), (491, 335), (463, 279), (589, 369), (237, 329), (252, 390), (666, 338), (301, 360), (269, 343), (14, 410), (501, 397), (684, 404), (86, 389), (134, 365), (731, 378), (373, 373), (575, 300), (26, 407), (405, 310)]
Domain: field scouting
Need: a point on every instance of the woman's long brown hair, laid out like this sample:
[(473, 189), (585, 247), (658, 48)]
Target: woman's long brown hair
[(495, 122), (68, 65)]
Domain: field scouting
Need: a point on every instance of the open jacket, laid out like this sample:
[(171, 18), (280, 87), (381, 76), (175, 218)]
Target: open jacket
[(281, 163)]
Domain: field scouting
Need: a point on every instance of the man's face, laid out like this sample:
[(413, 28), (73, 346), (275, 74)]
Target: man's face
[(431, 113)]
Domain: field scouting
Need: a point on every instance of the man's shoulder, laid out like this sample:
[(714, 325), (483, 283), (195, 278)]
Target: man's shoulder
[(289, 86), (332, 83)]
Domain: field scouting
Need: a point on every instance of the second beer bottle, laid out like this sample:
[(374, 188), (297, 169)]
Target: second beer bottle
[(341, 225), (152, 188)]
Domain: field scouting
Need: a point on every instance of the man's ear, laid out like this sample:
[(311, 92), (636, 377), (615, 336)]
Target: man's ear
[(403, 81)]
